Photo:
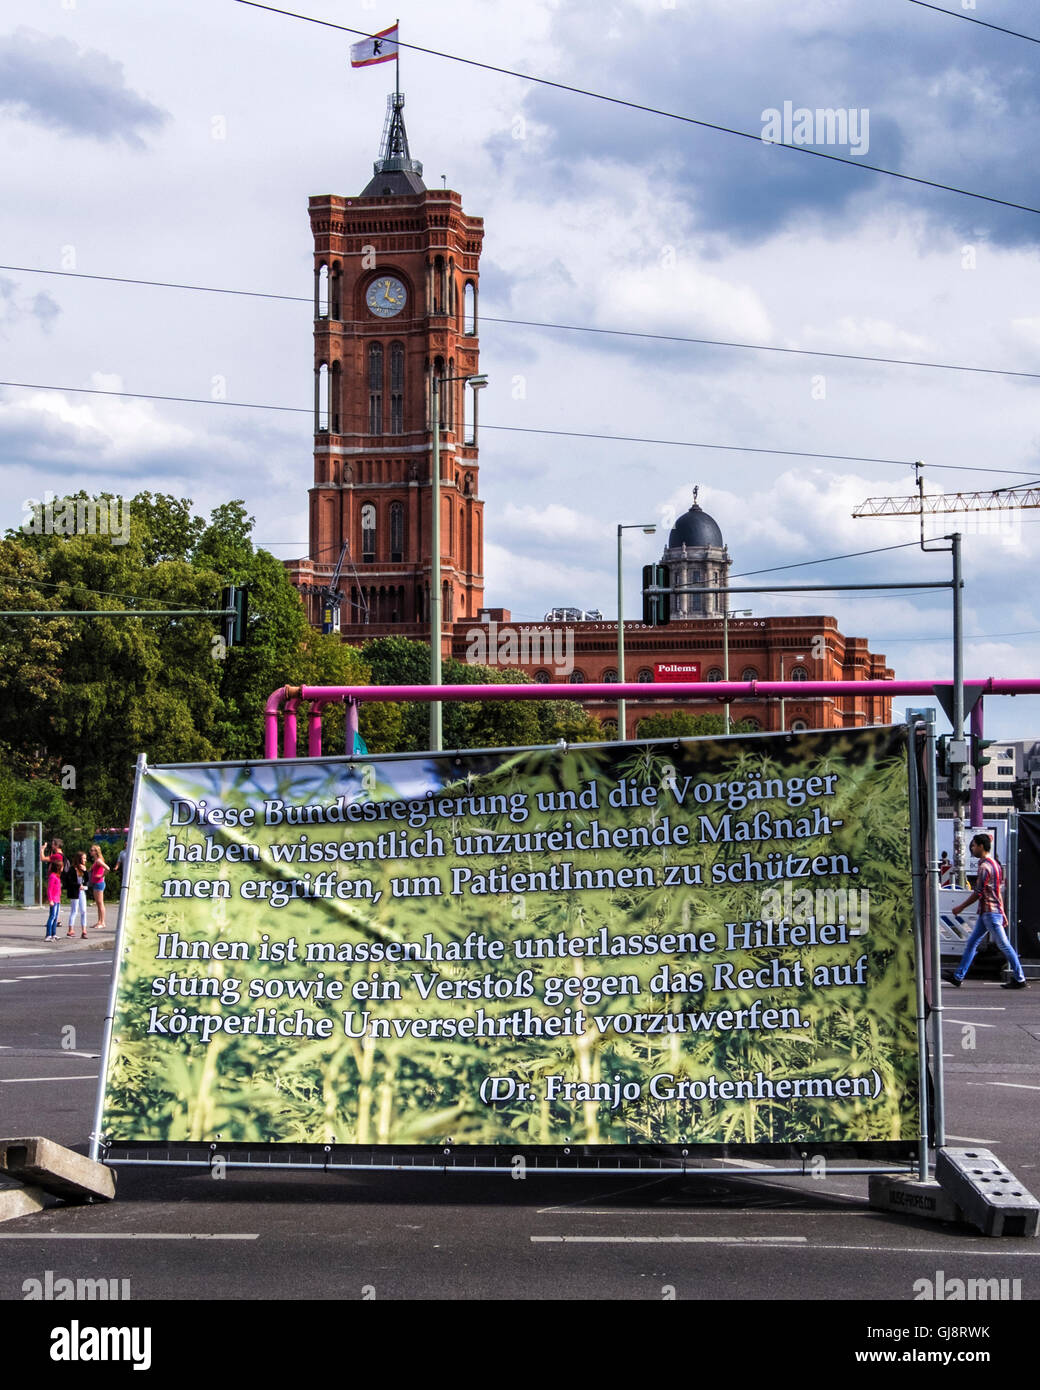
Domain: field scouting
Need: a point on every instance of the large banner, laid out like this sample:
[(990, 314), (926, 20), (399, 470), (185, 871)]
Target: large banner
[(697, 942)]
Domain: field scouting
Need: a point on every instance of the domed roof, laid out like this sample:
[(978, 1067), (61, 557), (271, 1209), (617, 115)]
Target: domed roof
[(696, 528)]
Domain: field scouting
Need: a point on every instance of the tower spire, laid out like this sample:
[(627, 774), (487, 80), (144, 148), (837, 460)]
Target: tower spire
[(395, 170)]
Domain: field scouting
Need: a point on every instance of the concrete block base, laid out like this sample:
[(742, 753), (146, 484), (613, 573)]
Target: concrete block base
[(910, 1197), (42, 1163)]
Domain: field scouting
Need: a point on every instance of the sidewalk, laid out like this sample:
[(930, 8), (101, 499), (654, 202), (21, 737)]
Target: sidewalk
[(22, 931)]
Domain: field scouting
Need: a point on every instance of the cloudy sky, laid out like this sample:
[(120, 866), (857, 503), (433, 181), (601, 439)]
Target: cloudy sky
[(179, 140)]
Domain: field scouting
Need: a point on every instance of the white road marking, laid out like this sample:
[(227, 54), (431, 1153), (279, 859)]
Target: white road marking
[(1015, 1085), (970, 1021), (10, 1080), (780, 1242), (966, 1139), (113, 1235), (670, 1240), (675, 1213)]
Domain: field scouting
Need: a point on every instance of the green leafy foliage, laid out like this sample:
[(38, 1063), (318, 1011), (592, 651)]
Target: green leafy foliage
[(682, 725)]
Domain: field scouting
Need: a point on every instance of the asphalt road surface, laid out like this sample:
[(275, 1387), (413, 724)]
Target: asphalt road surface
[(718, 1239)]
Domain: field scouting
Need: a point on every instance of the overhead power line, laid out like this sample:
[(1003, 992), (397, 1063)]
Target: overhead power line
[(653, 110), (530, 429), (562, 327), (957, 14)]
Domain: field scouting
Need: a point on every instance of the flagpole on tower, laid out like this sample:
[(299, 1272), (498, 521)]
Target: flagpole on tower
[(397, 66)]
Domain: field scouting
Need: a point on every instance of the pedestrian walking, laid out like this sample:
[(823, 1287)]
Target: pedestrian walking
[(96, 883), (991, 917)]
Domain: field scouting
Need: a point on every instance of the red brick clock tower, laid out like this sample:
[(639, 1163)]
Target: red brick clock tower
[(395, 304)]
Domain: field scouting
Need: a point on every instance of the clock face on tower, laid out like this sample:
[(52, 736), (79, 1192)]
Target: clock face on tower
[(386, 296)]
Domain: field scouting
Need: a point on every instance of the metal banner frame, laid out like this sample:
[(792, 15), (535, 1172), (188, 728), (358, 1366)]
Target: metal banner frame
[(663, 1158)]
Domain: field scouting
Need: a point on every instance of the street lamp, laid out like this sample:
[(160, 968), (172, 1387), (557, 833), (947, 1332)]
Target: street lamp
[(728, 613), (436, 609), (647, 530)]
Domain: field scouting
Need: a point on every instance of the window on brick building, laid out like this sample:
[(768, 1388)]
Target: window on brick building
[(368, 532), (396, 388), (375, 388)]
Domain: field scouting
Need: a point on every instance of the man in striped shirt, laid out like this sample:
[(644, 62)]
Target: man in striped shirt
[(991, 917)]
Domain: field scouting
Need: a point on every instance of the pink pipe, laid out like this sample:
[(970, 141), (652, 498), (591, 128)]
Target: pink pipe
[(314, 729), (351, 727), (628, 690), (289, 728)]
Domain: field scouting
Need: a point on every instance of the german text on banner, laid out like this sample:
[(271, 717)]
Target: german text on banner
[(679, 942)]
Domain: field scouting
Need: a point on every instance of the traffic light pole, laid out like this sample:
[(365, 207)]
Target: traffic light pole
[(978, 745)]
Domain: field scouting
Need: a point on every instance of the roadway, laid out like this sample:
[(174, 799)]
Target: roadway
[(177, 1234)]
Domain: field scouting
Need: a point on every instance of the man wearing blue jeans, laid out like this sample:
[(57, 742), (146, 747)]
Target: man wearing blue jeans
[(991, 917)]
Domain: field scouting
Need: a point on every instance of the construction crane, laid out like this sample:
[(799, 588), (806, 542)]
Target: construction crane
[(1004, 499), (1000, 499)]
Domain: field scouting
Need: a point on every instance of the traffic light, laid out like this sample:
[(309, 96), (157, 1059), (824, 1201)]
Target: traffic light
[(234, 600), (942, 765), (657, 606), (978, 751)]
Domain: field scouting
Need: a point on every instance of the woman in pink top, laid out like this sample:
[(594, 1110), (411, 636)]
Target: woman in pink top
[(96, 881), (54, 899)]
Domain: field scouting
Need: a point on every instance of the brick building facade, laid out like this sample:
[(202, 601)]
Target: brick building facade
[(396, 284)]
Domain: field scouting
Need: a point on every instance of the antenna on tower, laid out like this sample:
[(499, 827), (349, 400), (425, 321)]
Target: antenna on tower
[(393, 150)]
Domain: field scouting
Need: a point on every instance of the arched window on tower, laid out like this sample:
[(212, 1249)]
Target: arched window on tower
[(321, 292), (439, 286), (448, 404), (396, 388), (336, 291), (396, 531), (321, 398), (375, 388), (368, 532), (452, 306), (469, 315), (446, 602), (335, 397)]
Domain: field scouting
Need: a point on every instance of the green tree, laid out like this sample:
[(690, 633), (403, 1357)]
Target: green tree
[(679, 724), (85, 696), (485, 724)]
